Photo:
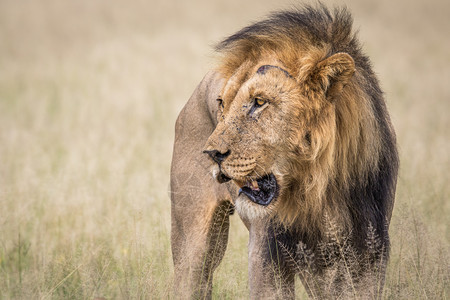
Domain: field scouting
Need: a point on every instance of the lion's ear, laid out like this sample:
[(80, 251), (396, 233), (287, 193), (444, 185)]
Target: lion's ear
[(334, 73)]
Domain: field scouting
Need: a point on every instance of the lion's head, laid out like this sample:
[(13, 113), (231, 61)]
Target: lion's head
[(296, 123)]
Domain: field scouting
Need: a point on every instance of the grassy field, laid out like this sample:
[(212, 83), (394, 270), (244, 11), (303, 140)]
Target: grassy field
[(89, 93)]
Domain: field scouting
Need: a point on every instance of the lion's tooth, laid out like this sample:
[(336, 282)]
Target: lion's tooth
[(254, 185)]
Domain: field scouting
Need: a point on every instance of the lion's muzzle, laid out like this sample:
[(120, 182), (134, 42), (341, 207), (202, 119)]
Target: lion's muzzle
[(262, 190)]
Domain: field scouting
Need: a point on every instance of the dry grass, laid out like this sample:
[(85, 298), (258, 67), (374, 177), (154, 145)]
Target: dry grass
[(89, 91)]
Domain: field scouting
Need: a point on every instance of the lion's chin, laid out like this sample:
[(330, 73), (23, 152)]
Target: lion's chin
[(249, 210)]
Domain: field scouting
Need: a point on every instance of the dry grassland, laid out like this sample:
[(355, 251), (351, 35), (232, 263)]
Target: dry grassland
[(89, 92)]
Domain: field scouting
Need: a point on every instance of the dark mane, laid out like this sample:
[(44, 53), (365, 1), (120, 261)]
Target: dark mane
[(294, 33), (317, 24)]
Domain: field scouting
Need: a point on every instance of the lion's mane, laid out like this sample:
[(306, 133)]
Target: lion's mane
[(351, 172)]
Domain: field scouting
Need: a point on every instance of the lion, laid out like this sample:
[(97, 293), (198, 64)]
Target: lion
[(292, 132)]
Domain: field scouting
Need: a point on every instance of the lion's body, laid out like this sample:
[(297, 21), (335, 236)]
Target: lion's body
[(302, 130)]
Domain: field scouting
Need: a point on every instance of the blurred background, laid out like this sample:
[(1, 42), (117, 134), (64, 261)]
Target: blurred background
[(89, 93)]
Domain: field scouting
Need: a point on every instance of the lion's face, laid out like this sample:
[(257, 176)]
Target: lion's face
[(276, 133), (259, 129)]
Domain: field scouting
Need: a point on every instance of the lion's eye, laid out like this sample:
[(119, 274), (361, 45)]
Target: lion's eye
[(259, 102)]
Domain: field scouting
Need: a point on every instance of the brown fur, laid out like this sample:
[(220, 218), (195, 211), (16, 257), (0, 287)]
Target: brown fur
[(325, 162), (324, 133)]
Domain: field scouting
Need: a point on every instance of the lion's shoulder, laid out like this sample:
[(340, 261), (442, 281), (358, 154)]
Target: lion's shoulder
[(198, 116)]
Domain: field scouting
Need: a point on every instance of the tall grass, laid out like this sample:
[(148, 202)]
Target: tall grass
[(89, 92)]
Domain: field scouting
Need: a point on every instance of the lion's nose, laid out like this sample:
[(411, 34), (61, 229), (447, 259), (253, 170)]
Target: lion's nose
[(216, 155)]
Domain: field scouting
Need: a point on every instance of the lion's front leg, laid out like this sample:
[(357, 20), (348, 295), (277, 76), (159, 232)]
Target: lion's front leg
[(199, 240), (200, 223), (270, 276)]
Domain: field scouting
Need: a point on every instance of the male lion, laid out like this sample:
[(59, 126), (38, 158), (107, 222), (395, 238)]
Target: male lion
[(294, 130)]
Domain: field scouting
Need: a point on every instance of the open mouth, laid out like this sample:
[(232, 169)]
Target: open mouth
[(262, 190)]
